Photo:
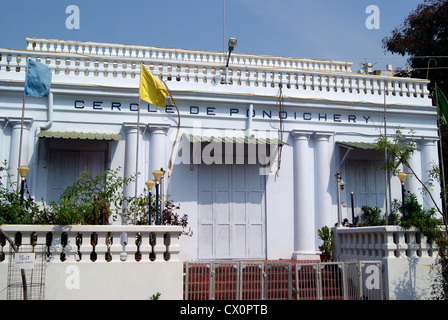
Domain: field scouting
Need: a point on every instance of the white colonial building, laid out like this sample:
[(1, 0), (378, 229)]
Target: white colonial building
[(257, 146)]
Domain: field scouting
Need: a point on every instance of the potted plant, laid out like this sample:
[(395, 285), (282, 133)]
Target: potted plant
[(326, 235)]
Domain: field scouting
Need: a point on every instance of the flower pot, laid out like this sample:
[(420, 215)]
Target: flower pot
[(325, 257)]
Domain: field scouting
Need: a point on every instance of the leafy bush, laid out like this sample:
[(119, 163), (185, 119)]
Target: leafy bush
[(90, 200), (424, 220), (11, 211), (372, 216), (326, 235), (138, 212)]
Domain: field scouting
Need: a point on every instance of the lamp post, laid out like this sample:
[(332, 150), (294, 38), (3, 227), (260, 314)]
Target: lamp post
[(232, 44), (149, 185), (23, 170), (340, 186), (353, 208), (402, 176), (157, 176)]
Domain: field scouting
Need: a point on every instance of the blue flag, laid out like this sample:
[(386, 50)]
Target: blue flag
[(37, 79)]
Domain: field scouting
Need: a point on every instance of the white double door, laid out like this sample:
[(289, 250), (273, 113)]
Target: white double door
[(231, 212), (65, 166), (367, 181)]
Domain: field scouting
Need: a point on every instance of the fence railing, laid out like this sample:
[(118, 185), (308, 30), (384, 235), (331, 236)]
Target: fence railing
[(382, 242), (98, 243), (93, 262), (409, 260), (242, 280)]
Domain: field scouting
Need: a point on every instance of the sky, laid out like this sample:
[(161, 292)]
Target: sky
[(318, 29)]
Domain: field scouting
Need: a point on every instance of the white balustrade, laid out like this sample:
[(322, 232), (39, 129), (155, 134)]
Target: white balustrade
[(106, 243), (105, 62), (409, 261), (84, 262), (382, 242)]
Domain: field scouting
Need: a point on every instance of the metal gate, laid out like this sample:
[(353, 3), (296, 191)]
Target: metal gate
[(242, 280), (237, 280)]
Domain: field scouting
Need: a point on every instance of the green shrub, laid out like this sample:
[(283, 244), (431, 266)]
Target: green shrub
[(424, 220), (371, 216), (11, 211), (90, 200)]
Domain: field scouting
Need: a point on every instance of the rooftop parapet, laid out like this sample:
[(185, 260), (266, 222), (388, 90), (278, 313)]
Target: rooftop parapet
[(117, 66), (190, 56)]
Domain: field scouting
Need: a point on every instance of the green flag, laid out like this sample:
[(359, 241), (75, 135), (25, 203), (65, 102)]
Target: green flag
[(442, 104)]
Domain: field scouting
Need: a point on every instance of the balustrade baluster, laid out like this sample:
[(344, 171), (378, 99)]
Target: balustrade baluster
[(78, 243), (109, 242), (413, 247), (159, 247), (401, 244), (152, 243), (123, 243), (93, 243), (64, 242)]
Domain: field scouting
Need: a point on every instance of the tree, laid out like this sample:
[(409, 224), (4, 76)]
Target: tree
[(424, 37), (400, 149)]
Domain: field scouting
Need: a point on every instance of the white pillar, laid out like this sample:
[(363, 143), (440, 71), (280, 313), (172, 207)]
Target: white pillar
[(130, 162), (158, 157), (304, 219), (412, 185), (14, 150), (430, 159), (322, 180)]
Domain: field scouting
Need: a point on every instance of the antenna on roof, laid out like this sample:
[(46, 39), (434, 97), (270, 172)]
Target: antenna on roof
[(224, 27)]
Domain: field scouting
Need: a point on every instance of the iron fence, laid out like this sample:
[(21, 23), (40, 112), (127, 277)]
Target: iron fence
[(246, 280)]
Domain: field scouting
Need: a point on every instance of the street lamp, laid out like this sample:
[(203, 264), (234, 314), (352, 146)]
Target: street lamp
[(149, 185), (353, 208), (23, 170), (402, 176), (232, 44), (340, 186), (157, 176)]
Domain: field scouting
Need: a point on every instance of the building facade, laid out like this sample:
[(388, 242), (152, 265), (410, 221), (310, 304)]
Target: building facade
[(250, 153)]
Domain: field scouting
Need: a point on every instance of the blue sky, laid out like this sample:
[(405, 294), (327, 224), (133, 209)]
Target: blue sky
[(322, 29)]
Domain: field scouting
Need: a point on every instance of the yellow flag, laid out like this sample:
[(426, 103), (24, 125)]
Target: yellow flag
[(151, 89)]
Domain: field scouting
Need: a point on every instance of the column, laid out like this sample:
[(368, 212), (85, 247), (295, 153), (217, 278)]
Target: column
[(430, 158), (158, 157), (322, 180), (130, 160), (14, 150), (412, 184), (304, 220)]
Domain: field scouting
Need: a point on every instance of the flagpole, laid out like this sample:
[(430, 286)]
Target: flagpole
[(21, 138), (385, 154), (136, 160), (21, 126), (439, 128), (171, 98), (442, 164)]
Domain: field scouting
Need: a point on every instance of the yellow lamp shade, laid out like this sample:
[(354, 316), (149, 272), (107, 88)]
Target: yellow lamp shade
[(402, 176), (23, 170), (149, 184), (157, 175)]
